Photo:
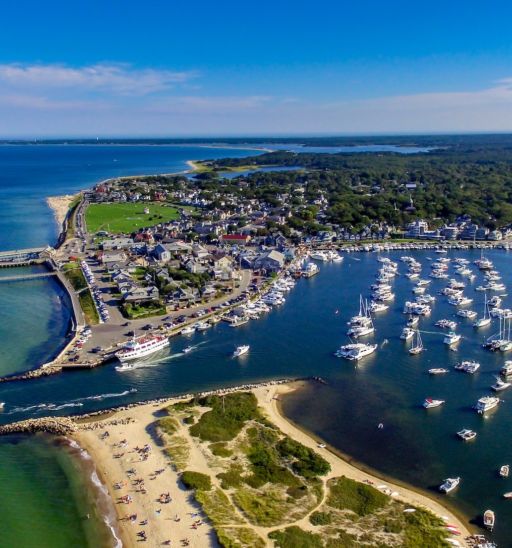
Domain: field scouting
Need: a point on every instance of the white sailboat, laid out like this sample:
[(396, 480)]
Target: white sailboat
[(486, 318), (417, 345)]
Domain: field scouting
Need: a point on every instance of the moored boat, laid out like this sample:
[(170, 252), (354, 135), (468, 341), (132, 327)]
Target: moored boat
[(489, 519), (449, 484), (241, 350)]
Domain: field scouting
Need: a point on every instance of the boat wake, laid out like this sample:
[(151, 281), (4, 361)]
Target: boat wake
[(79, 402)]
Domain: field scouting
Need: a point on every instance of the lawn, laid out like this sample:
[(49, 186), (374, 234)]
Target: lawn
[(127, 217)]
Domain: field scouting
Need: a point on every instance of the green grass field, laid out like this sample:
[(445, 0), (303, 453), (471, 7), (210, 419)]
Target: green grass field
[(127, 217)]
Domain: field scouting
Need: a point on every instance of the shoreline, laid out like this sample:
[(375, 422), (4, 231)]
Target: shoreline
[(60, 207), (356, 470), (134, 426)]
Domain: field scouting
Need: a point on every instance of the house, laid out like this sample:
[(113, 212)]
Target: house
[(271, 261), (141, 294), (113, 258), (236, 239), (161, 253), (116, 243)]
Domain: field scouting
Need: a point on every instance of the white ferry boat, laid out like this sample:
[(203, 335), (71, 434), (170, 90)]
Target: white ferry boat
[(143, 346), (241, 350), (449, 485), (486, 404)]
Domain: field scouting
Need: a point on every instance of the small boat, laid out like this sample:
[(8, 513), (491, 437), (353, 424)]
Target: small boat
[(504, 471), (466, 434), (2, 405), (413, 321), (449, 484), (507, 495), (500, 385), (241, 350), (430, 403), (451, 338), (238, 322), (407, 333), (506, 370), (489, 519), (437, 371), (189, 330), (188, 349), (467, 366)]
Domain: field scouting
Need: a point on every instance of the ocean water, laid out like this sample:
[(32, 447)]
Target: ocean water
[(297, 340), (47, 498)]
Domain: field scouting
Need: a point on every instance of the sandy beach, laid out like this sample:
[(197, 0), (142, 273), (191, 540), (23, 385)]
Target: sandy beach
[(60, 206), (131, 461)]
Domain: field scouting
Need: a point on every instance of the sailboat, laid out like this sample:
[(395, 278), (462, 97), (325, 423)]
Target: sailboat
[(506, 344), (417, 345), (486, 318)]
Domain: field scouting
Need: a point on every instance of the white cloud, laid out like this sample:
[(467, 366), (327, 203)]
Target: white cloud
[(115, 78), (218, 105)]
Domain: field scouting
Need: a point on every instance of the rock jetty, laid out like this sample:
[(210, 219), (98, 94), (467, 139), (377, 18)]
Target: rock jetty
[(59, 426)]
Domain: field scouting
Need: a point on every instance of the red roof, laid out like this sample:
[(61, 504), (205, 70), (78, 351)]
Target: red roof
[(235, 236)]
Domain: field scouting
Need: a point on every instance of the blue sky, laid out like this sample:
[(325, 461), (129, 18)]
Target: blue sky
[(175, 68)]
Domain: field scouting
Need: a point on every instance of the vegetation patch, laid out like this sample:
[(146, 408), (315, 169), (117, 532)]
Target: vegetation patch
[(227, 416), (125, 218), (88, 307), (239, 537), (295, 537), (232, 478), (219, 449), (74, 274), (267, 509), (306, 462), (347, 494), (168, 424), (320, 518), (422, 528), (142, 310), (196, 480), (178, 450), (217, 506)]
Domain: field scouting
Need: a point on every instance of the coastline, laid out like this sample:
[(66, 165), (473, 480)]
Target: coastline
[(342, 464), (60, 206), (133, 427)]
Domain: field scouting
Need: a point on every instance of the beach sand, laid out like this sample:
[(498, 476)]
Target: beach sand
[(136, 425), (60, 206)]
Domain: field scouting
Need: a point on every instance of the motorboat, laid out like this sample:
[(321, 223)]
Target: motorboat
[(467, 435), (189, 330), (407, 333), (237, 322), (355, 351), (377, 307), (469, 314), (500, 385), (430, 403), (187, 349), (446, 324), (507, 495), (486, 404), (504, 470), (489, 519), (438, 371), (203, 326), (319, 256), (449, 484), (241, 350), (506, 370), (413, 321), (451, 338), (2, 405), (467, 366)]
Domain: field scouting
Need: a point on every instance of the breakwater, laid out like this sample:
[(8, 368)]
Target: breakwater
[(63, 426)]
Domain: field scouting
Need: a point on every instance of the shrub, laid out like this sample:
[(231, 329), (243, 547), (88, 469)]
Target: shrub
[(306, 462), (295, 537), (320, 518), (196, 480), (227, 416), (168, 425), (347, 494), (232, 477), (189, 420)]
